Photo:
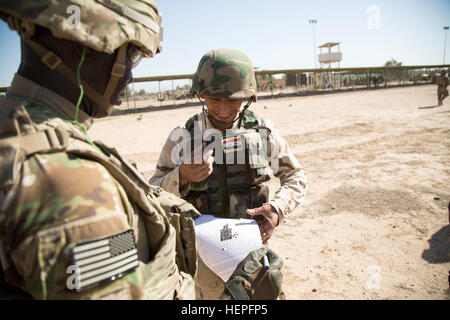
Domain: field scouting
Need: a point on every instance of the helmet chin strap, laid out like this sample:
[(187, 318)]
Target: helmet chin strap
[(225, 125), (241, 114), (52, 61), (203, 107)]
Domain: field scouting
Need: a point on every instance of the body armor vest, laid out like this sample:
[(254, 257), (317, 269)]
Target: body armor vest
[(235, 184), (164, 216)]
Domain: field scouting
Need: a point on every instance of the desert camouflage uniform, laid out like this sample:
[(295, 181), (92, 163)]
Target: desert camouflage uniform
[(291, 174), (291, 193), (228, 74), (77, 220), (236, 185), (442, 91)]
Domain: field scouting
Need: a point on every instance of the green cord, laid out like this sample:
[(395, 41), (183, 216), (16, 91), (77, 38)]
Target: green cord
[(77, 107)]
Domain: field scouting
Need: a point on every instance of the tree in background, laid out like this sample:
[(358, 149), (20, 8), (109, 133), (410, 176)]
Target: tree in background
[(394, 75)]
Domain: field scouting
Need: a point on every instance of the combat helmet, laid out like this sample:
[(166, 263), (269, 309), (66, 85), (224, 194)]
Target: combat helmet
[(102, 25), (225, 74)]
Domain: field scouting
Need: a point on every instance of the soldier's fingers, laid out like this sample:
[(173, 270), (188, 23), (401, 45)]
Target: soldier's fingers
[(203, 174), (203, 169), (263, 226), (266, 235), (261, 230), (207, 156), (209, 161), (197, 168), (254, 211), (258, 211), (191, 170)]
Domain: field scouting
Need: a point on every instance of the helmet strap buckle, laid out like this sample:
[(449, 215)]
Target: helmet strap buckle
[(51, 60), (118, 70)]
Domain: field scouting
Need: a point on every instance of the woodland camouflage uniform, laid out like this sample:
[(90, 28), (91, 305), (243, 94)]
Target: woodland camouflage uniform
[(442, 91)]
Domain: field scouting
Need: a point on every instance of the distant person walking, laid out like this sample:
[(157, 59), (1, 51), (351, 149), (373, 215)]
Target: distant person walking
[(442, 82)]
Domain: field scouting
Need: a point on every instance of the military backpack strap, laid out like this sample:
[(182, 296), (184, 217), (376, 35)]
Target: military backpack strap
[(21, 139), (49, 140), (20, 132)]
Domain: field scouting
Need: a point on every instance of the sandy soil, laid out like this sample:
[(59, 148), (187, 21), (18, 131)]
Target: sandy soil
[(375, 223)]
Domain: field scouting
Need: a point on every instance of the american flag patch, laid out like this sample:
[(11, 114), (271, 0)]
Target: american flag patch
[(232, 144), (105, 259)]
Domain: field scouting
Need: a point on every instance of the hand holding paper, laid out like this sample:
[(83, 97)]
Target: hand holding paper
[(192, 172), (267, 219)]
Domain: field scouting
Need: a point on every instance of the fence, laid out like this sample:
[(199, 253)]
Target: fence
[(291, 82), (278, 83)]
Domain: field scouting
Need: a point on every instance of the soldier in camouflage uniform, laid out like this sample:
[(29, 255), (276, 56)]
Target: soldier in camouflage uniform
[(214, 185), (77, 220), (442, 91)]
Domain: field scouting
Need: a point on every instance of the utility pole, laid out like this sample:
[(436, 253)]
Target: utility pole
[(313, 22), (445, 41)]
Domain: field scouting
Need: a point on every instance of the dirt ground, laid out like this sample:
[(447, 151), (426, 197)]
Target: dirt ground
[(375, 223)]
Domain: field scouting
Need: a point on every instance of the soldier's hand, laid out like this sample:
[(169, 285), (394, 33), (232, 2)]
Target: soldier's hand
[(267, 219), (191, 172)]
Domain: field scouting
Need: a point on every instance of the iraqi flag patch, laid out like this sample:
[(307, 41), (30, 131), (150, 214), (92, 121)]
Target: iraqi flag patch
[(232, 144)]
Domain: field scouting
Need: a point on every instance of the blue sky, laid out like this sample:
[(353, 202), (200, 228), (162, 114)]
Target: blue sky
[(277, 34)]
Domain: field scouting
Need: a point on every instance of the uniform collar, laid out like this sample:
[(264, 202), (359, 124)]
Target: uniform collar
[(23, 87), (202, 117)]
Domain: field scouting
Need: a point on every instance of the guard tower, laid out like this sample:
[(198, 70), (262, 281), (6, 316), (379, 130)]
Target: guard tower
[(329, 58)]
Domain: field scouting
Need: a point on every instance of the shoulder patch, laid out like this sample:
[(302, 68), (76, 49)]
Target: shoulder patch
[(250, 120), (104, 259), (190, 122)]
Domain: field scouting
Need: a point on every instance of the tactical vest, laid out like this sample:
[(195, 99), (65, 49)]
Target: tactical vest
[(166, 218), (233, 187)]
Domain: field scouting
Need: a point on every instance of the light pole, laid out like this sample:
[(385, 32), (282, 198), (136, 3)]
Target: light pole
[(445, 41), (313, 22)]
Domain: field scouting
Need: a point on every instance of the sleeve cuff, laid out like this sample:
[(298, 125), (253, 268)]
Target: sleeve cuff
[(172, 183), (279, 208), (182, 190)]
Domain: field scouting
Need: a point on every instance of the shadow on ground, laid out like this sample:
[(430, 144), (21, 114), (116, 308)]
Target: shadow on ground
[(429, 107), (439, 247)]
